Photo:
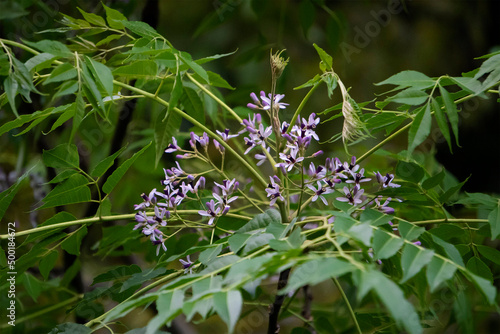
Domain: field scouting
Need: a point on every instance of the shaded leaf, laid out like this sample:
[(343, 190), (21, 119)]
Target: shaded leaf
[(323, 269), (494, 221), (409, 79), (72, 244), (47, 263), (439, 271), (228, 306), (73, 190), (451, 111), (478, 267), (414, 258), (106, 163), (410, 96), (137, 69), (62, 156), (409, 231), (393, 298), (441, 120), (419, 129), (117, 175), (385, 244), (261, 220), (409, 171)]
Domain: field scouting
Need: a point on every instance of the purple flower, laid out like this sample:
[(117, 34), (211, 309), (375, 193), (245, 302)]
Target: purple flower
[(352, 167), (148, 200), (219, 147), (265, 104), (225, 135), (316, 173), (172, 147), (228, 186), (273, 191), (352, 196), (386, 181), (211, 211), (383, 206), (186, 264), (261, 157), (320, 192), (290, 159), (358, 177)]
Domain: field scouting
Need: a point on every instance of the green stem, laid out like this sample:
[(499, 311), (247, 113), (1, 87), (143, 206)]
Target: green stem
[(138, 293), (444, 220), (219, 101), (383, 142), (301, 106), (103, 219), (198, 124), (349, 307)]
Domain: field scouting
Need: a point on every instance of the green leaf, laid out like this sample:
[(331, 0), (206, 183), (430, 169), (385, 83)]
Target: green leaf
[(323, 269), (169, 305), (325, 58), (10, 86), (209, 254), (114, 17), (419, 129), (92, 18), (409, 79), (451, 251), (47, 263), (410, 96), (40, 61), (73, 190), (478, 267), (7, 195), (414, 258), (117, 273), (49, 46), (101, 73), (117, 175), (489, 253), (228, 305), (294, 241), (217, 81), (385, 244), (439, 271), (140, 277), (451, 111), (78, 116), (261, 221), (257, 240), (409, 231), (62, 156), (193, 105), (237, 241), (409, 171), (105, 164), (441, 120), (471, 85), (433, 181), (72, 244), (62, 72), (488, 290), (33, 286), (70, 328), (137, 69), (63, 118), (393, 298), (451, 191), (91, 91), (66, 88), (186, 59), (164, 131), (141, 28), (494, 220)]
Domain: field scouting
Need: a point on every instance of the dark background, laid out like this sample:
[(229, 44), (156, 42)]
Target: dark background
[(369, 41)]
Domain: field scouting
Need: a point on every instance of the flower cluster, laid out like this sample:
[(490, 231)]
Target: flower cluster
[(293, 140)]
